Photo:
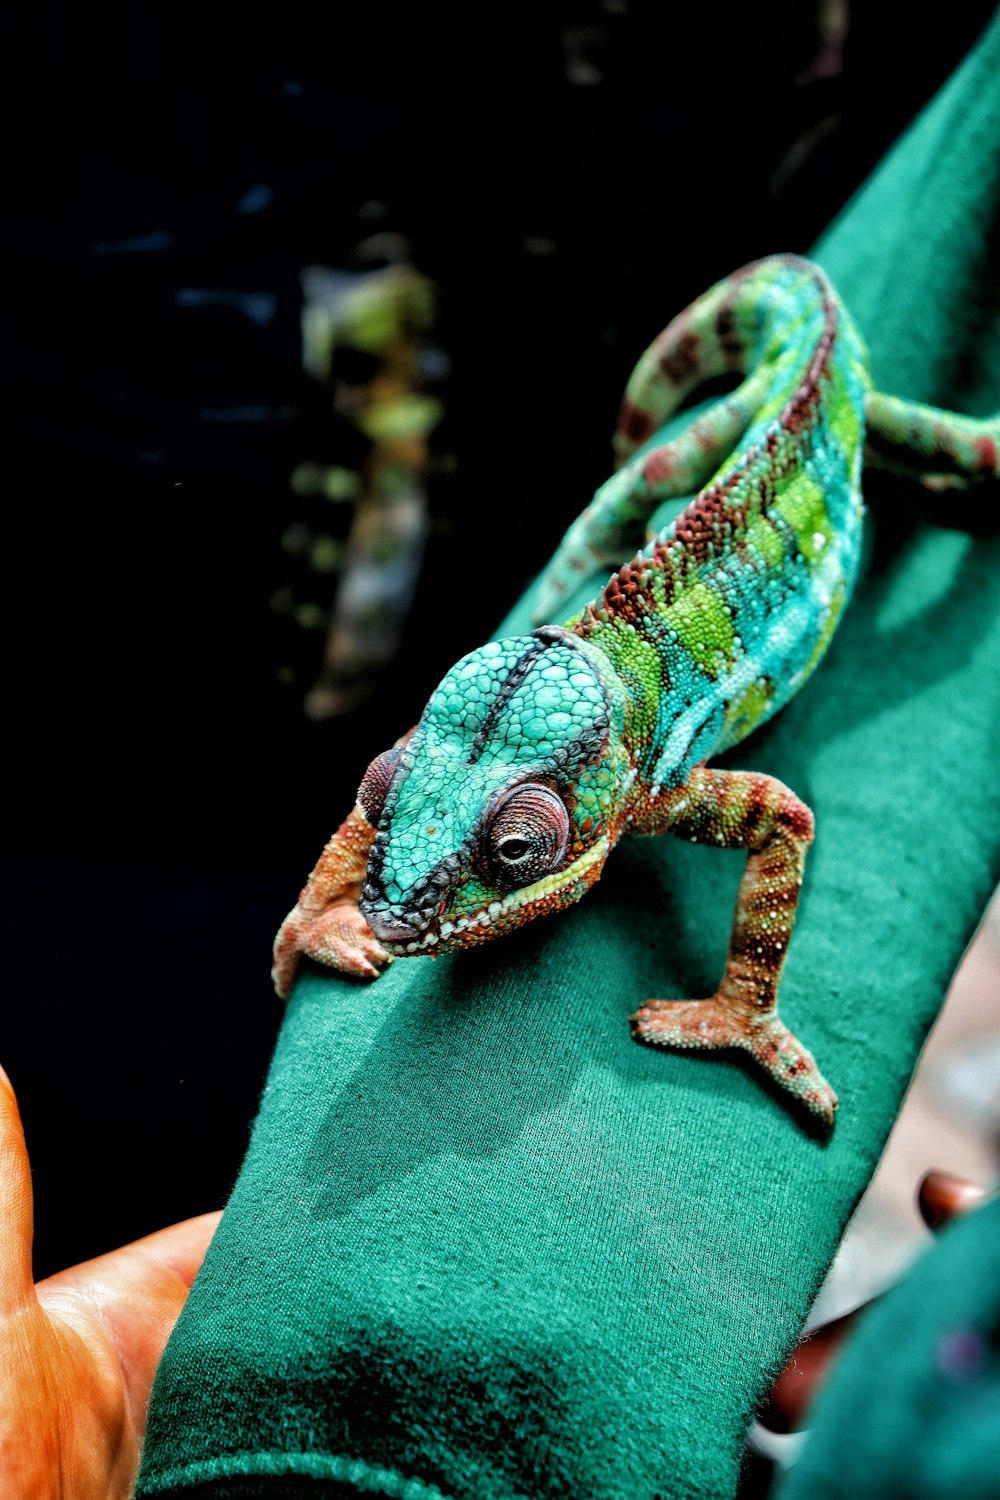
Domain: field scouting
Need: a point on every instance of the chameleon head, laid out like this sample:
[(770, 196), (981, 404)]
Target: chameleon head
[(506, 800)]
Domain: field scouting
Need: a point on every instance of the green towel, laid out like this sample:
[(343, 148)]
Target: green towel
[(912, 1410), (483, 1244)]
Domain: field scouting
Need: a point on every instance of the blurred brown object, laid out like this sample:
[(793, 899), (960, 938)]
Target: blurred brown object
[(942, 1197)]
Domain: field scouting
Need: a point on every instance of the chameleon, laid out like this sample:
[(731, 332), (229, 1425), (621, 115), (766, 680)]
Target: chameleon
[(538, 752)]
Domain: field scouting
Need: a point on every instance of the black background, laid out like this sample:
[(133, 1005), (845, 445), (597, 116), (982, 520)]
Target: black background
[(166, 794)]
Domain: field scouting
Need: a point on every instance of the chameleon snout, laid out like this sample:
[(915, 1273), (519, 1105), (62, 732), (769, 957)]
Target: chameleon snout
[(402, 923), (390, 929), (400, 914)]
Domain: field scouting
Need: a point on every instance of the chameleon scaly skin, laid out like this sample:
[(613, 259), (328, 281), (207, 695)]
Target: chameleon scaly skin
[(537, 753)]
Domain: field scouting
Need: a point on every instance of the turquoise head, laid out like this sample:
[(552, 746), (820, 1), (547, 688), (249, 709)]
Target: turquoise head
[(506, 800)]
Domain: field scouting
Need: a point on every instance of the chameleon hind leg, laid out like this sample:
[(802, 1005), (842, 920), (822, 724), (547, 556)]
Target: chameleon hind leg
[(613, 526), (744, 810), (942, 449)]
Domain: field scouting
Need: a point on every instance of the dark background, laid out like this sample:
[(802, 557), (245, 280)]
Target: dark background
[(570, 176)]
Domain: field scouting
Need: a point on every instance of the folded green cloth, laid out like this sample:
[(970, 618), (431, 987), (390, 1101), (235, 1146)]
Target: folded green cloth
[(912, 1410), (483, 1244)]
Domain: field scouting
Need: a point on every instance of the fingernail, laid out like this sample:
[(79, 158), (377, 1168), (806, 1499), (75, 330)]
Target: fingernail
[(943, 1196)]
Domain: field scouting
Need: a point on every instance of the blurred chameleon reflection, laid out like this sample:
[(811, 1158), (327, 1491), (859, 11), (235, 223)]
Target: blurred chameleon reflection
[(365, 338)]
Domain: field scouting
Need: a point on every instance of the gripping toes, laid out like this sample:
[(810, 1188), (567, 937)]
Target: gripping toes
[(338, 937), (791, 1065), (711, 1024), (685, 1023)]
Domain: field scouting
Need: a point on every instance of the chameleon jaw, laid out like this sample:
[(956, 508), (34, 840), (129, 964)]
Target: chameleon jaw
[(489, 920)]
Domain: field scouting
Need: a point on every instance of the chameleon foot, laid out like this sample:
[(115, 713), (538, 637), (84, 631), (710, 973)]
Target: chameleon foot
[(711, 1024), (338, 937)]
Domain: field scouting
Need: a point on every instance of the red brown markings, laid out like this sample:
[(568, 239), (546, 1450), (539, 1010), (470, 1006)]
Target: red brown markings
[(986, 452), (729, 340), (634, 424), (797, 819), (657, 467), (702, 525), (679, 361), (784, 457), (714, 515), (664, 561), (624, 596), (756, 802), (801, 410)]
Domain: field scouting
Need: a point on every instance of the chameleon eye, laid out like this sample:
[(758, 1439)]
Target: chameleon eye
[(526, 837), (375, 784)]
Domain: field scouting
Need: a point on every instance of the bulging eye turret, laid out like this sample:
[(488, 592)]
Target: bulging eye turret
[(526, 837), (375, 784)]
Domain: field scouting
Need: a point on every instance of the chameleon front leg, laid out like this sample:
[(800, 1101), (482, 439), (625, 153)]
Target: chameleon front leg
[(325, 924), (744, 810), (941, 449)]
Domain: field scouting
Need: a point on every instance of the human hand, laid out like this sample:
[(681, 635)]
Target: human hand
[(78, 1351)]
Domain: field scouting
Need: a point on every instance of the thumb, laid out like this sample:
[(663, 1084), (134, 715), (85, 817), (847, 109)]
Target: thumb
[(16, 1218)]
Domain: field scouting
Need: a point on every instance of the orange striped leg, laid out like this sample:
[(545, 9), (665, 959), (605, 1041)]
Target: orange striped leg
[(744, 810), (326, 924)]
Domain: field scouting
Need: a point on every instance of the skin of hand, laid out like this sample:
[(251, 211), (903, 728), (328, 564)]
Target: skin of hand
[(78, 1350)]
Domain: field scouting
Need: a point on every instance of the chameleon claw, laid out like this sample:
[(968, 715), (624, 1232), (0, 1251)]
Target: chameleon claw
[(338, 937)]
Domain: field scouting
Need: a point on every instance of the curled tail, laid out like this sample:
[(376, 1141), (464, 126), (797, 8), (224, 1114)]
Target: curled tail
[(706, 339), (730, 328), (614, 524)]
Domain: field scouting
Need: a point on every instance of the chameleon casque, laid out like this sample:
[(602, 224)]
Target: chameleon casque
[(537, 753)]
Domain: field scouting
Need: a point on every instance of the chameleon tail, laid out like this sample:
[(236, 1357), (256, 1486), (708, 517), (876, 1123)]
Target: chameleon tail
[(724, 330), (747, 321), (941, 449), (613, 526), (702, 341)]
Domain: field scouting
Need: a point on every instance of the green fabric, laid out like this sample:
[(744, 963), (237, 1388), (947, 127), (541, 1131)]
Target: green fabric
[(912, 1411), (483, 1244)]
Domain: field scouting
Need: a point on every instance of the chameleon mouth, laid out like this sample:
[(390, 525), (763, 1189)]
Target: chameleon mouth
[(478, 924)]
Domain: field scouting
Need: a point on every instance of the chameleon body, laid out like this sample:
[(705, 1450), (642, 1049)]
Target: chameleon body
[(537, 753)]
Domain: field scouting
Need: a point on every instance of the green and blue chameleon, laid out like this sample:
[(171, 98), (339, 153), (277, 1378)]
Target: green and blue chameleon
[(536, 754)]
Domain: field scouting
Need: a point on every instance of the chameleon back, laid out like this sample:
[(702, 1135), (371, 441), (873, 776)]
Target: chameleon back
[(720, 619)]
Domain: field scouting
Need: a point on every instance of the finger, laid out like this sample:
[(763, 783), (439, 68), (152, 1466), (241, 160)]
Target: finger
[(178, 1250), (182, 1247), (16, 1220), (942, 1196)]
